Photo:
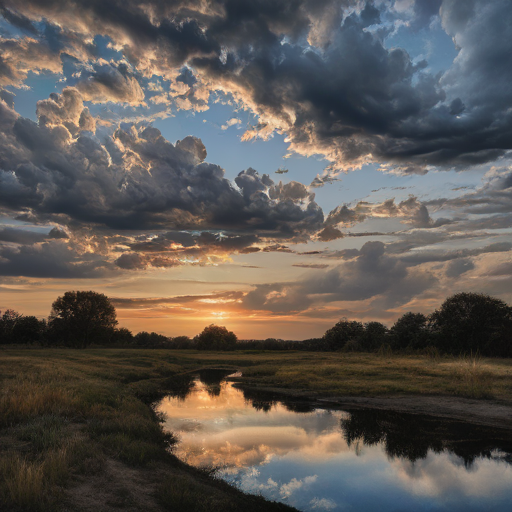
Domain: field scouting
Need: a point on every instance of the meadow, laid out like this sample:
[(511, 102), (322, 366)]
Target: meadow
[(78, 432)]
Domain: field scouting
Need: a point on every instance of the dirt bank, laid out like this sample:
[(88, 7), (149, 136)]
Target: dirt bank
[(479, 412)]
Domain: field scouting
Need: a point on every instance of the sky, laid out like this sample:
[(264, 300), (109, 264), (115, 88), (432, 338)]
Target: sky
[(271, 166)]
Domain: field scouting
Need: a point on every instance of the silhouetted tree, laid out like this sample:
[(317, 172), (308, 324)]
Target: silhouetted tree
[(410, 331), (122, 336), (375, 334), (473, 322), (29, 329), (8, 322), (342, 333), (80, 318), (180, 342), (151, 340), (215, 337)]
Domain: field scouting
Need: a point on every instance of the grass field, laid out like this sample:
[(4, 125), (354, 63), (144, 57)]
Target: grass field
[(77, 431)]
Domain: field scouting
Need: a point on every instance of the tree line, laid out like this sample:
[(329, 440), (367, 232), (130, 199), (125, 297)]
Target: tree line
[(465, 323)]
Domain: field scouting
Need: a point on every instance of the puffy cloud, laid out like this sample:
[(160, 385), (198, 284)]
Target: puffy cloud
[(134, 178), (19, 56), (410, 211)]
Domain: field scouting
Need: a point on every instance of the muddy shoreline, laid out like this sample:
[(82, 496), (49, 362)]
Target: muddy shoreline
[(478, 412)]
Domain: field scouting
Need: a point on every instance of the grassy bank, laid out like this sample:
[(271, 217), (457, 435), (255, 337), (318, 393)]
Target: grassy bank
[(77, 431)]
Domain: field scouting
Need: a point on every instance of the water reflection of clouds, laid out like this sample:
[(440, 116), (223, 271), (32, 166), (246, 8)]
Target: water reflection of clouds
[(437, 475), (306, 461)]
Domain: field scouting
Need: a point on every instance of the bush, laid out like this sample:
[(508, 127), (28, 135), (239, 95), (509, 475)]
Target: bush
[(215, 337)]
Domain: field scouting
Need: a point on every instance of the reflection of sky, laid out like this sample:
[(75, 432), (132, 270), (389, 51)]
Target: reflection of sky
[(303, 460)]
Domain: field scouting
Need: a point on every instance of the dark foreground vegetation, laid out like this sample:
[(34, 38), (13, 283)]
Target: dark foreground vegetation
[(466, 323)]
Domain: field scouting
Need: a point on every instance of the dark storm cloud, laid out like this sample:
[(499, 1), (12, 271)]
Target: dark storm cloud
[(135, 179), (320, 70)]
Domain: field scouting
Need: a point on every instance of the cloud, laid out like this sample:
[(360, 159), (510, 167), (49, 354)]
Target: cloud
[(19, 56), (368, 274), (310, 265), (231, 122), (418, 257), (323, 504), (110, 82), (286, 490), (52, 259), (63, 168), (26, 237), (458, 267), (320, 73)]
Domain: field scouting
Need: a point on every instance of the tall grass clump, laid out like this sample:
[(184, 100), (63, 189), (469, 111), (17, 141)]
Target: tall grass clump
[(472, 377)]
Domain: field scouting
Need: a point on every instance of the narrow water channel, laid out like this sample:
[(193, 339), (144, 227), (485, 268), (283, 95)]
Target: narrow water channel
[(331, 460)]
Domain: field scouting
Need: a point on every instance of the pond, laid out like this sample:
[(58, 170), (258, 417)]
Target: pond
[(332, 460)]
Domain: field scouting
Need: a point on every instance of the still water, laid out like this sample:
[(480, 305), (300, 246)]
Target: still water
[(331, 460)]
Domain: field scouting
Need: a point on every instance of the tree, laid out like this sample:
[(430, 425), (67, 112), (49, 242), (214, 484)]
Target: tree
[(182, 342), (79, 318), (343, 332), (8, 323), (473, 322), (410, 331), (375, 335), (215, 337), (28, 329), (122, 336), (151, 340)]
